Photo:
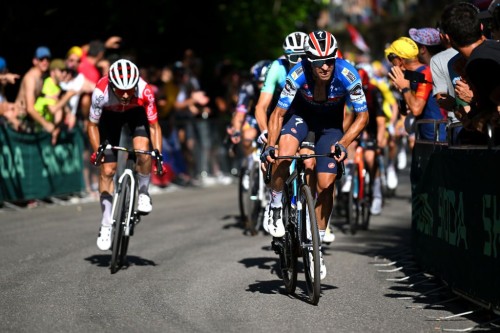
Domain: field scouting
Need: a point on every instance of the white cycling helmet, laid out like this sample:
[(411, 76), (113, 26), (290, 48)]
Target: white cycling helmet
[(321, 44), (294, 42), (123, 74)]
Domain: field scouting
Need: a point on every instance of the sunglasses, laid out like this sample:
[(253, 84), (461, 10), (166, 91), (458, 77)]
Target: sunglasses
[(320, 62), (294, 58), (391, 57), (122, 92), (43, 58)]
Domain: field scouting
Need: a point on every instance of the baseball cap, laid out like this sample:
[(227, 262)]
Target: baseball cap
[(425, 36), (403, 47), (57, 64), (489, 13), (75, 50), (42, 52), (3, 64)]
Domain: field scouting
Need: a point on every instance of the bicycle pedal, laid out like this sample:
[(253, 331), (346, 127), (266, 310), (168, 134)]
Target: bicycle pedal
[(277, 245)]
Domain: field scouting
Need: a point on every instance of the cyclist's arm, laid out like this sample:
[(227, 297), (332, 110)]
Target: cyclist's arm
[(275, 124), (156, 136), (93, 134), (265, 99)]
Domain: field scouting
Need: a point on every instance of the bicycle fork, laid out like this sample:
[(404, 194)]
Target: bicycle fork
[(131, 219)]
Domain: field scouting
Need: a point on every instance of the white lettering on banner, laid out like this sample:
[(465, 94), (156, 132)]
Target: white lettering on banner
[(61, 159), (11, 166), (491, 225), (423, 214), (451, 226)]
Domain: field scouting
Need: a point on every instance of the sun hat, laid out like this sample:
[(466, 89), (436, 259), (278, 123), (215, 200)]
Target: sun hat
[(425, 36), (403, 47), (57, 64), (77, 50)]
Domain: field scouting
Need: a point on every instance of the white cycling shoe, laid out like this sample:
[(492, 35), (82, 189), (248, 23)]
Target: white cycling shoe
[(144, 205), (104, 239), (274, 221), (376, 207), (329, 236), (322, 267)]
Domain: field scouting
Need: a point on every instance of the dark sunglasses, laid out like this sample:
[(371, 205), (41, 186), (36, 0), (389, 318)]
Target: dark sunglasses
[(294, 58), (391, 57), (44, 58), (320, 62)]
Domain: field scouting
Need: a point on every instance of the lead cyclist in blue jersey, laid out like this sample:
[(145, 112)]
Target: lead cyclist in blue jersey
[(319, 87)]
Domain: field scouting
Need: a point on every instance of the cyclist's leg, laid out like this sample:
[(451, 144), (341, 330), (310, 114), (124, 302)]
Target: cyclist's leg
[(109, 129), (140, 131), (290, 137)]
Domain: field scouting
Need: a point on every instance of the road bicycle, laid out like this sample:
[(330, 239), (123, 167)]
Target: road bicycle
[(253, 193), (355, 198), (301, 237), (124, 208)]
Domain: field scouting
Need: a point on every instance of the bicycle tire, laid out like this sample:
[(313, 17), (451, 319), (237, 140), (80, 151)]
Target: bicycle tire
[(241, 195), (289, 253), (312, 246), (366, 202), (252, 200), (352, 202), (117, 255)]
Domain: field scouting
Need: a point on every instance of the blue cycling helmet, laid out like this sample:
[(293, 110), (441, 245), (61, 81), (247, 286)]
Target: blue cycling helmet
[(259, 70)]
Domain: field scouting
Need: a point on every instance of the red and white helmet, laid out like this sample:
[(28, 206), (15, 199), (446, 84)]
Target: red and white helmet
[(321, 44), (123, 74)]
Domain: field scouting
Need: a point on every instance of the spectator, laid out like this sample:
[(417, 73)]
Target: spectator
[(428, 42), (7, 109), (443, 88), (460, 22), (29, 90), (50, 94), (413, 79)]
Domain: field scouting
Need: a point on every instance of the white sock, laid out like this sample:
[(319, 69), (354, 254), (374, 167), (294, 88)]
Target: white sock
[(276, 198), (143, 182), (377, 191), (321, 235), (106, 206)]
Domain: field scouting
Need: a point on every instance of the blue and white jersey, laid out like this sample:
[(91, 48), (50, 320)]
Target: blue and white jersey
[(325, 110)]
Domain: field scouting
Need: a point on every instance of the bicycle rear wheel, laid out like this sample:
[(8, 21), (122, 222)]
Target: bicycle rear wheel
[(311, 245), (353, 200), (120, 241), (289, 253), (365, 202), (242, 191)]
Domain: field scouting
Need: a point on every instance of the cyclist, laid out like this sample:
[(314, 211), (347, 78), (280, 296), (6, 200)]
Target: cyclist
[(122, 98), (244, 127), (374, 137), (319, 87)]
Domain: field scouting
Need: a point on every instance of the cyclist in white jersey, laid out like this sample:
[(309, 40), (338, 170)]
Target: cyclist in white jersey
[(123, 98)]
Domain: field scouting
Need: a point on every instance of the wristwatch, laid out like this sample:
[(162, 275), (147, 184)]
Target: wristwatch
[(404, 90)]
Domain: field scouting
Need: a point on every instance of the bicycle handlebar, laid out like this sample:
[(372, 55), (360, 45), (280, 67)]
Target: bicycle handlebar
[(153, 153), (337, 153)]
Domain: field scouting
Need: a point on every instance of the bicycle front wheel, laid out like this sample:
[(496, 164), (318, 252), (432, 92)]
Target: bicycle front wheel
[(120, 240), (311, 245)]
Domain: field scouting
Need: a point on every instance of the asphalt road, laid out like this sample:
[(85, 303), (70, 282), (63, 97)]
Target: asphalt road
[(192, 270)]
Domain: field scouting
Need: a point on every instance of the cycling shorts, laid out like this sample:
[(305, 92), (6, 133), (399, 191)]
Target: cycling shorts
[(111, 123), (324, 139)]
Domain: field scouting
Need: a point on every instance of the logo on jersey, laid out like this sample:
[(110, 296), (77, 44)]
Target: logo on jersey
[(357, 93), (331, 165), (296, 73), (287, 90), (293, 130), (349, 75)]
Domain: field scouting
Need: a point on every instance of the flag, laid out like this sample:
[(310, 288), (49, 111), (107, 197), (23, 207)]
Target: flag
[(357, 39)]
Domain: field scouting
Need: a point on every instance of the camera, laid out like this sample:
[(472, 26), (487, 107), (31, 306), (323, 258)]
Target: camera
[(415, 77)]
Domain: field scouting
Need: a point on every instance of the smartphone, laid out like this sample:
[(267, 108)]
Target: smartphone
[(415, 77)]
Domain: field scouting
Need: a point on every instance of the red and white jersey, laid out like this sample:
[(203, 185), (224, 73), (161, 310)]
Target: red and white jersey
[(103, 99)]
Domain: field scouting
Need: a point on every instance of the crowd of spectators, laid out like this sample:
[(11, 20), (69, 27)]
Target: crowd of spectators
[(459, 62)]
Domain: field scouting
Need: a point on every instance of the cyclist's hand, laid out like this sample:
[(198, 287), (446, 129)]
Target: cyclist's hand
[(339, 152), (93, 158), (262, 139), (268, 154), (160, 171), (99, 154)]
